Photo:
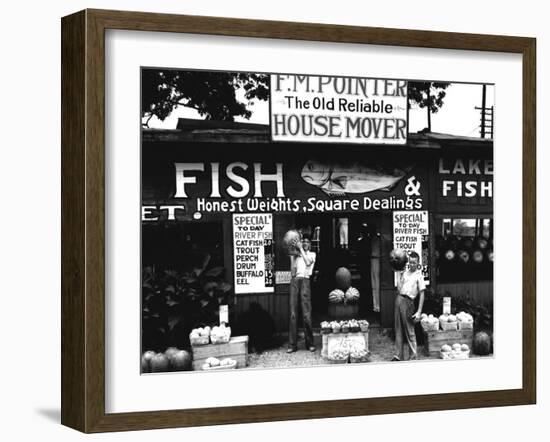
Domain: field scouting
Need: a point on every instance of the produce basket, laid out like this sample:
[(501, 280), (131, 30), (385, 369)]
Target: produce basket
[(465, 325), (454, 356), (448, 325), (220, 339), (430, 326), (201, 340), (222, 367)]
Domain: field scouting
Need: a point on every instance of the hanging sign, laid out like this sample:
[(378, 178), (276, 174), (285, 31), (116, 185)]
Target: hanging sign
[(253, 253), (335, 109), (410, 233)]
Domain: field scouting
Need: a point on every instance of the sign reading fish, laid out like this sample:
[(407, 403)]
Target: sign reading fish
[(338, 109), (340, 179)]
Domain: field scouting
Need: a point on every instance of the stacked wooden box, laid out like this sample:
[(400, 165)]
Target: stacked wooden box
[(236, 348), (434, 340)]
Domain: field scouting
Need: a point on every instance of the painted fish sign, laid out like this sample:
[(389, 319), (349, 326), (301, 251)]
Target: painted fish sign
[(311, 184), (337, 179)]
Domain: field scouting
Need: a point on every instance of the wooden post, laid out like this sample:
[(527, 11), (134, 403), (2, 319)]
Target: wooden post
[(483, 93)]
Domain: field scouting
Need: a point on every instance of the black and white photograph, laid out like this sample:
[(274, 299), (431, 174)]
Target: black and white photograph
[(298, 220)]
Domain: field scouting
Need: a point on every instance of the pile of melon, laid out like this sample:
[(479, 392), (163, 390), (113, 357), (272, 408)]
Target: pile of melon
[(448, 322), (465, 250), (456, 351), (215, 363), (200, 336), (429, 322), (465, 321), (351, 325), (220, 335), (173, 359), (350, 296)]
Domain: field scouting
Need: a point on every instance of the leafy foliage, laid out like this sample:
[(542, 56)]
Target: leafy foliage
[(482, 314), (175, 302), (211, 94), (427, 94)]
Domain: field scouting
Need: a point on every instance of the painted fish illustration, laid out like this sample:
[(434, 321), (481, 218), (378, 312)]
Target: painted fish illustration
[(338, 179)]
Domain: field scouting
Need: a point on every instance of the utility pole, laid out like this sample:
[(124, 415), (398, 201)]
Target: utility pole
[(483, 100), (486, 126)]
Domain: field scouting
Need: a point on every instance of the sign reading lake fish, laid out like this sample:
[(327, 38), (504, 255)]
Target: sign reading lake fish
[(253, 253), (338, 109), (410, 233)]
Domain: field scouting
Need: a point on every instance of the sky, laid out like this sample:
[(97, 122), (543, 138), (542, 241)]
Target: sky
[(457, 116)]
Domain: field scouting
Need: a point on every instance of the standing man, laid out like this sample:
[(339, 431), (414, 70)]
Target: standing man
[(410, 284), (301, 269)]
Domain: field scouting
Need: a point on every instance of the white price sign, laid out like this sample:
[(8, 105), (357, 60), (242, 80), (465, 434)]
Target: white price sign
[(410, 231), (253, 253)]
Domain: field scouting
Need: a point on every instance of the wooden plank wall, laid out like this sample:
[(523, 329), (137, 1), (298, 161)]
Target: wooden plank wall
[(480, 292)]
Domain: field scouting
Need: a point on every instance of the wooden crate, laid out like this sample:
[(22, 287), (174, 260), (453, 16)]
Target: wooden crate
[(328, 338), (433, 340), (236, 348)]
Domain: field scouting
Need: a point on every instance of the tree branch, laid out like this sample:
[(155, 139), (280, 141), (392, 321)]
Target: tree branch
[(179, 103), (146, 124)]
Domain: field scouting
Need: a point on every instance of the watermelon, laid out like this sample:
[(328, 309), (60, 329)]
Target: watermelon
[(463, 256), (343, 278), (352, 295), (180, 361), (288, 240), (482, 344), (449, 255), (467, 243), (482, 243), (398, 259), (477, 256), (159, 363), (146, 361), (336, 296)]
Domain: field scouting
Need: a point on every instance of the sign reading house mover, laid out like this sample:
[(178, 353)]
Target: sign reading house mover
[(253, 253), (320, 108)]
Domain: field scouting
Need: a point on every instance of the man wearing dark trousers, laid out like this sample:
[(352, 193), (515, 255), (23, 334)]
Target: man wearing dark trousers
[(410, 284), (301, 268)]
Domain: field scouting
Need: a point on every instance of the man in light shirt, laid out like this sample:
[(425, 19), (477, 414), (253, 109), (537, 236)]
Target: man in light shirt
[(301, 269), (410, 284)]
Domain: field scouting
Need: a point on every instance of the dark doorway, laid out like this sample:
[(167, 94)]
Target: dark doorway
[(348, 240)]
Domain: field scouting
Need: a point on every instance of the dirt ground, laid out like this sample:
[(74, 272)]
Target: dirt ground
[(381, 348)]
